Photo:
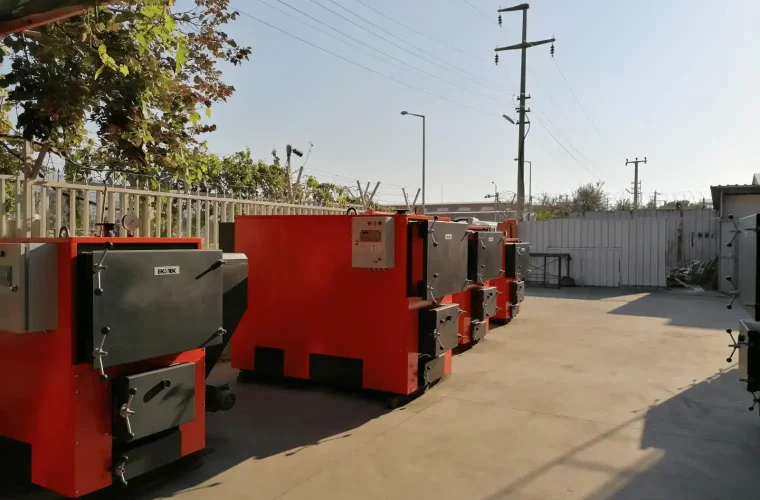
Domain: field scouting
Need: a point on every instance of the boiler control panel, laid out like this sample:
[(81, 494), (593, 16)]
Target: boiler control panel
[(372, 241)]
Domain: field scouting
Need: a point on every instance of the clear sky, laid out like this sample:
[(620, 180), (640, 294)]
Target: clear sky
[(676, 81)]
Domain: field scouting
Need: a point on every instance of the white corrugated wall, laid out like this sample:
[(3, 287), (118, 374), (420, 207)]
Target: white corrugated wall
[(621, 249)]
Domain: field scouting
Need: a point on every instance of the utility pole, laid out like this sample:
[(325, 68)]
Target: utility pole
[(636, 189), (495, 201), (523, 46), (655, 200)]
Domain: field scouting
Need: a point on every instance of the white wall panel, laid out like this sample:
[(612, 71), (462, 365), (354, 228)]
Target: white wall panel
[(627, 250)]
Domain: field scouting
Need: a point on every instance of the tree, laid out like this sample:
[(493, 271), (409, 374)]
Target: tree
[(676, 205), (140, 72), (327, 193), (624, 205), (589, 197)]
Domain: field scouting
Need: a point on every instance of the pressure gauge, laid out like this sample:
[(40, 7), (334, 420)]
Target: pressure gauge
[(130, 222)]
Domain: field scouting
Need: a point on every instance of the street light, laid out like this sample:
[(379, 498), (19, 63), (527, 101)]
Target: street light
[(530, 182), (510, 120), (404, 113)]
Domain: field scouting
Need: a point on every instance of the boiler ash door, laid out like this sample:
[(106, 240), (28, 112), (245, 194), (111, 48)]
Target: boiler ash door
[(445, 258), (150, 303)]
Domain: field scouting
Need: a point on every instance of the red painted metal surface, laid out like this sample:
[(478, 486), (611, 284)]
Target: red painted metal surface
[(308, 299), (504, 285), (464, 299), (63, 410)]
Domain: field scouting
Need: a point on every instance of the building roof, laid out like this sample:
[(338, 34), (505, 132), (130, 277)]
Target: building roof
[(732, 189)]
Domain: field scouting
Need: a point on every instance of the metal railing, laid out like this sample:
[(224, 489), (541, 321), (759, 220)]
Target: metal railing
[(41, 208), (547, 272)]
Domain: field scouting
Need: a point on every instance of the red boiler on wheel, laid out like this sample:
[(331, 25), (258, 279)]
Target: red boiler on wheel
[(516, 265), (106, 344), (479, 299), (371, 294)]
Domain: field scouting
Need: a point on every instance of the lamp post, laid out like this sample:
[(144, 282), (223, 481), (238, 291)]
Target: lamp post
[(530, 183), (423, 154)]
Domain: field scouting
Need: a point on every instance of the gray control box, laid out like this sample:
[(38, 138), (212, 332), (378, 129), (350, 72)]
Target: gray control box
[(373, 243), (28, 287)]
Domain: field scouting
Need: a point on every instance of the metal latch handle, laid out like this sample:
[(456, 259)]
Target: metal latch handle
[(121, 469), (125, 411), (99, 267), (98, 353)]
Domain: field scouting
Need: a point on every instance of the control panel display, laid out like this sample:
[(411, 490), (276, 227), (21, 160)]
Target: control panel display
[(371, 236), (372, 240)]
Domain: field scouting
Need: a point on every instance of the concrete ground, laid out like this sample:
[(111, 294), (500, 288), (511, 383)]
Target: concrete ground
[(593, 394)]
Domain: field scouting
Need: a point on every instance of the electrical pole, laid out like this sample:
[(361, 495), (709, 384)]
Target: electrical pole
[(655, 200), (636, 179), (523, 97)]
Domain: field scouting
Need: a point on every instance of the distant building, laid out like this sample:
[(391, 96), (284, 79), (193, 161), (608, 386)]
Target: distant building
[(482, 210), (739, 200)]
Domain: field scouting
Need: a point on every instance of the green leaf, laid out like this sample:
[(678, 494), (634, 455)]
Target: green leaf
[(208, 112), (181, 57), (102, 50), (123, 69), (99, 71), (152, 11), (195, 117), (142, 40)]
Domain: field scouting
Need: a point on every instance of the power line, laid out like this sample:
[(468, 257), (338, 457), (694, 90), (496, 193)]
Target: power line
[(359, 65), (404, 63), (432, 39), (566, 150), (579, 103), (569, 143), (463, 73), (410, 28), (481, 15), (480, 12)]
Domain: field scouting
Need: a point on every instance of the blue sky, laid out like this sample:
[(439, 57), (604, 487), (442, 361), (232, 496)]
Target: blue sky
[(676, 81)]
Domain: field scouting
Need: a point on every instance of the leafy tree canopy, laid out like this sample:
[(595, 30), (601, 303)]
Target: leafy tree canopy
[(139, 73)]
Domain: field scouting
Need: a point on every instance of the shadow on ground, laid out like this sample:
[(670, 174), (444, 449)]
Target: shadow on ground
[(702, 444), (585, 293), (709, 444), (683, 310), (267, 420), (676, 306)]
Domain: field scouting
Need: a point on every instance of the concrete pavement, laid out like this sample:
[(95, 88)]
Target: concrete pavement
[(589, 394)]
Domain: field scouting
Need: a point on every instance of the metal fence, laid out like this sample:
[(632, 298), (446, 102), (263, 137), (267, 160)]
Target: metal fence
[(626, 248), (41, 208)]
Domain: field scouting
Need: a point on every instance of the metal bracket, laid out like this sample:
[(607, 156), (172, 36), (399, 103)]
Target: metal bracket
[(125, 411)]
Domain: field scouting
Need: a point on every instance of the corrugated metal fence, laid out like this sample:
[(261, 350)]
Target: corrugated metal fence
[(614, 249)]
